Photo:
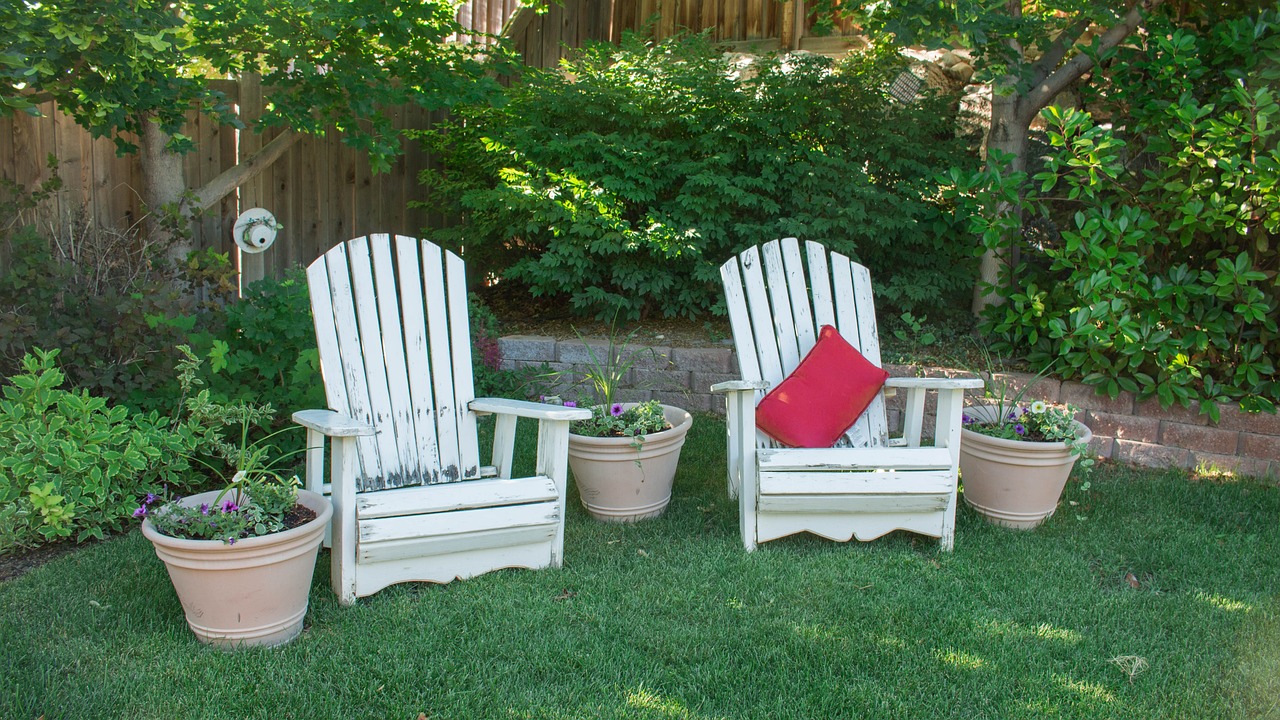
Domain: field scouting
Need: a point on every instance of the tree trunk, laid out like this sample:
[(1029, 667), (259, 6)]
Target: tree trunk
[(1010, 125), (163, 185)]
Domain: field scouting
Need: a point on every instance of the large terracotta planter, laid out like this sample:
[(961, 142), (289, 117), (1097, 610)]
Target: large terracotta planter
[(620, 483), (1014, 483), (252, 593)]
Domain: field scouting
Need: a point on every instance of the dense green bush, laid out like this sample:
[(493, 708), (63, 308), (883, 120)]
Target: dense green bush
[(73, 466), (262, 348), (1149, 260), (628, 176)]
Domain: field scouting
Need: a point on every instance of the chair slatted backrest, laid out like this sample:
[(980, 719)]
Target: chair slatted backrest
[(395, 353), (777, 304)]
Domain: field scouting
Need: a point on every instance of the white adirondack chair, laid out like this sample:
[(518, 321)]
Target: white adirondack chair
[(872, 486), (410, 498)]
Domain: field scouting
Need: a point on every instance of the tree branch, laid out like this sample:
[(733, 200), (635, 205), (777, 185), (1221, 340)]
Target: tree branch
[(1072, 69), (1057, 50), (244, 171)]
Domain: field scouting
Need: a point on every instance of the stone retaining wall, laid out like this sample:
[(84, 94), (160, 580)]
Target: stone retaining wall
[(1124, 429)]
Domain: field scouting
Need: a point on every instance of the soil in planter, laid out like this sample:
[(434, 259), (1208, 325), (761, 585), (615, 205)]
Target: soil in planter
[(297, 517)]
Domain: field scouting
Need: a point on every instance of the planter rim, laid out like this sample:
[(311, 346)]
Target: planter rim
[(679, 425), (311, 500), (1082, 433)]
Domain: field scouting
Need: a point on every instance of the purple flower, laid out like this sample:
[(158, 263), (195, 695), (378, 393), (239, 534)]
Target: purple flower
[(615, 409), (151, 497), (140, 512), (229, 506), (570, 403), (1013, 414), (204, 508), (967, 419), (1020, 429), (231, 541)]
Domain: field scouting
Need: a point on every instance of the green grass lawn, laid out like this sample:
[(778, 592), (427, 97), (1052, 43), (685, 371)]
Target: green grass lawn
[(671, 619)]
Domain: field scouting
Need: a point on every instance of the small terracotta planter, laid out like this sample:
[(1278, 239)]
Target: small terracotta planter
[(252, 593), (1014, 483), (620, 483)]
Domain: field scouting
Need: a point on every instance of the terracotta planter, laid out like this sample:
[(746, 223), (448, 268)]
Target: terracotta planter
[(619, 483), (1010, 482), (252, 593)]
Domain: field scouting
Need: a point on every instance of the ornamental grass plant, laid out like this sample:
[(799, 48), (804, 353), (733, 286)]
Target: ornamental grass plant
[(605, 374)]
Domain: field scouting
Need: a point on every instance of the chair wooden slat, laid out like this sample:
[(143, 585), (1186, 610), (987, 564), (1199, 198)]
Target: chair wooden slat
[(351, 357), (784, 322), (393, 351), (801, 313), (740, 320), (463, 382), (442, 361), (824, 309), (761, 318), (417, 362)]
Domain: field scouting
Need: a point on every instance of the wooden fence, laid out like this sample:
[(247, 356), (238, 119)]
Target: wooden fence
[(321, 191)]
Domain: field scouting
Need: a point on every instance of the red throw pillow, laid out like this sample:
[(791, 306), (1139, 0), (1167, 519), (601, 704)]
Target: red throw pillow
[(823, 396)]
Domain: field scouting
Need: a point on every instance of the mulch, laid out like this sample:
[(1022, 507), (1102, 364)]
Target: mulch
[(23, 560)]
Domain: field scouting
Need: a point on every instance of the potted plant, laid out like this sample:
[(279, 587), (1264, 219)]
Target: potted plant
[(1015, 458), (624, 457), (241, 558)]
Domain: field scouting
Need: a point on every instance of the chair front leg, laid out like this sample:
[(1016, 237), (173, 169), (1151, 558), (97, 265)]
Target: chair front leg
[(553, 462), (343, 555)]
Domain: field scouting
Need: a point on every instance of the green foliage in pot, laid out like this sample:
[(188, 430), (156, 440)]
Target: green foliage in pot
[(613, 420), (1010, 418), (605, 374), (258, 500), (625, 177)]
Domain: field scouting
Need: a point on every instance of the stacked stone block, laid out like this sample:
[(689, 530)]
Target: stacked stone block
[(1124, 429)]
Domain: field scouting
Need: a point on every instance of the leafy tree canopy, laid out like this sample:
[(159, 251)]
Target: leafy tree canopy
[(115, 65)]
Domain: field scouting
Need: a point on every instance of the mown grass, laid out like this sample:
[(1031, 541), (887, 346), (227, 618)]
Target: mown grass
[(671, 619)]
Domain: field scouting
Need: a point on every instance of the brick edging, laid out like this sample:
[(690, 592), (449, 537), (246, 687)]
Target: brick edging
[(1124, 429)]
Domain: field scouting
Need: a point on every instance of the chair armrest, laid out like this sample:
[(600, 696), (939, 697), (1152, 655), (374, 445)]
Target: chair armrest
[(332, 424), (525, 409), (739, 386), (934, 383)]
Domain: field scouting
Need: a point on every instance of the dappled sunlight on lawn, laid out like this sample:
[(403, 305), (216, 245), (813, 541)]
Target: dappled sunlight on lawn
[(1224, 603), (960, 659), (1043, 631), (1086, 690), (643, 698)]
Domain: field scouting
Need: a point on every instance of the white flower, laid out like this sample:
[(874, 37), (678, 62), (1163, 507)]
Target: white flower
[(1038, 407)]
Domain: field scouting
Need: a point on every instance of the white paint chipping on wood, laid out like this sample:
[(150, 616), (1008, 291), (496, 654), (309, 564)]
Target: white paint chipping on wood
[(409, 504), (876, 485)]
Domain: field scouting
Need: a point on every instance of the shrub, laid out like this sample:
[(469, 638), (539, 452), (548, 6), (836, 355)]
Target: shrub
[(108, 300), (625, 178), (73, 466), (262, 348), (1149, 263)]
